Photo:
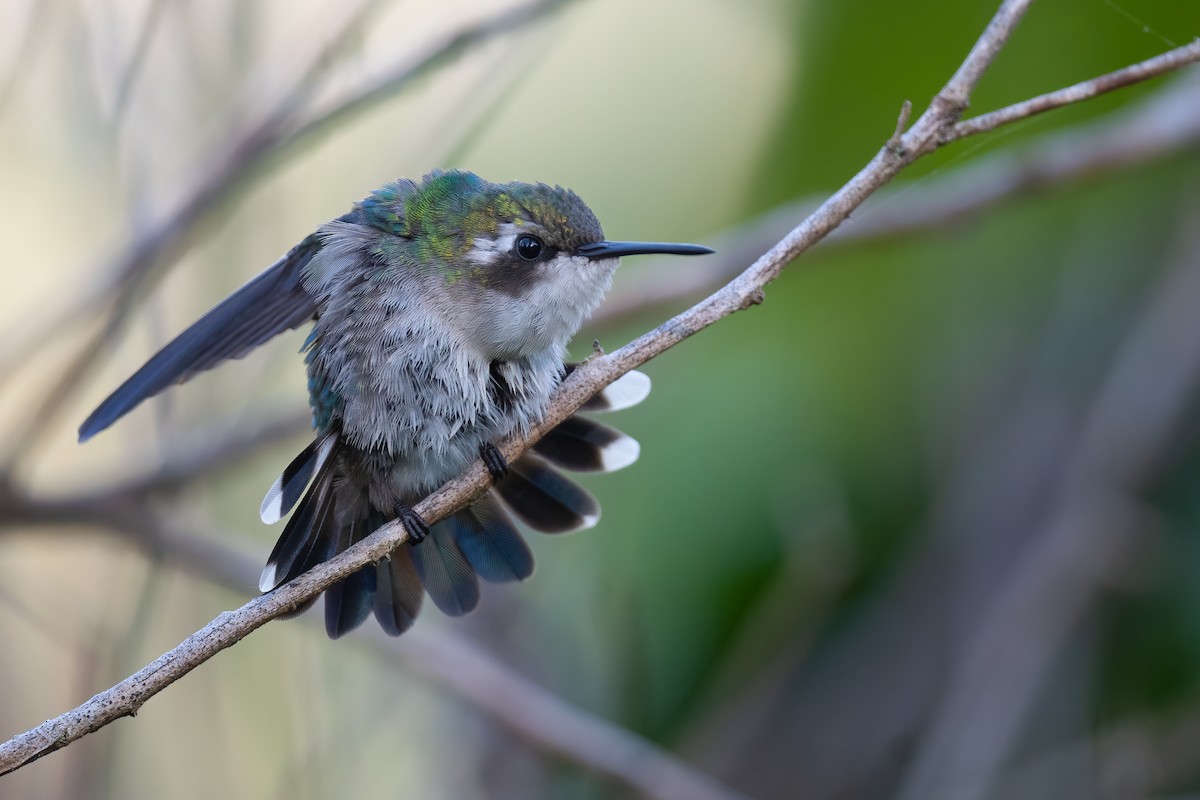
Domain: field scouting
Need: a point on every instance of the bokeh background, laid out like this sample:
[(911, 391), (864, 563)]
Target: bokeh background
[(924, 524)]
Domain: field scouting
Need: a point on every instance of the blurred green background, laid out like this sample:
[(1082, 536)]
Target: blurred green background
[(836, 488)]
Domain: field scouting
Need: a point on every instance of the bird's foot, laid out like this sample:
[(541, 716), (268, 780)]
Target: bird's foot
[(494, 460), (417, 528)]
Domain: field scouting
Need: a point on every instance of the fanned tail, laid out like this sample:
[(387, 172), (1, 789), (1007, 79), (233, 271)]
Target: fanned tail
[(332, 515), (480, 541)]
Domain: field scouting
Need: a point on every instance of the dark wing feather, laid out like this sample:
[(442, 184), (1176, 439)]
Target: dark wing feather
[(270, 304)]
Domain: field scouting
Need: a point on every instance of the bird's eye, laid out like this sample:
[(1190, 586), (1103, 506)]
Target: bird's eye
[(529, 247)]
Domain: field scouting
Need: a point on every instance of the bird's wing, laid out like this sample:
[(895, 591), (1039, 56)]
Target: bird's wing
[(270, 304)]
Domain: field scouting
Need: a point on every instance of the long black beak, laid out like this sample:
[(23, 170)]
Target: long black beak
[(597, 250)]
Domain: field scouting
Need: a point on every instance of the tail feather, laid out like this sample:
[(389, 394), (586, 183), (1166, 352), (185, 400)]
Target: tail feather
[(309, 536), (581, 445), (628, 390), (291, 483), (445, 571), (348, 602), (398, 592), (545, 499), (480, 541), (491, 543)]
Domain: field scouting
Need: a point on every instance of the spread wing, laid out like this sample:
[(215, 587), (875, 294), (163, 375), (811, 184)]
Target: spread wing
[(270, 304)]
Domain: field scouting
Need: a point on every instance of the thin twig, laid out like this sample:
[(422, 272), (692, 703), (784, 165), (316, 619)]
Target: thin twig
[(1151, 68), (550, 724), (137, 60), (129, 695), (436, 56)]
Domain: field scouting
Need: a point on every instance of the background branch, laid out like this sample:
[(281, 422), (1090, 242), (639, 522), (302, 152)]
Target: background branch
[(544, 721), (1095, 522)]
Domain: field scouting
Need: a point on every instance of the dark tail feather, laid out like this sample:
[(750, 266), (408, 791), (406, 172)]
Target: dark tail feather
[(290, 485), (317, 532), (445, 572), (270, 304), (545, 499), (349, 601), (309, 537), (398, 592), (581, 445), (490, 542), (478, 541)]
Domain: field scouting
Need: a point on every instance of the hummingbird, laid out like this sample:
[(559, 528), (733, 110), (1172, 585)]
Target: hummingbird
[(441, 312)]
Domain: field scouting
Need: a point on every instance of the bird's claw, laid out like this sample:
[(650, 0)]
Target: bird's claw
[(493, 459), (417, 527)]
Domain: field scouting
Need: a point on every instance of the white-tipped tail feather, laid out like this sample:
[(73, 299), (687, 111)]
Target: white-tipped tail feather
[(626, 391), (289, 487), (619, 454), (271, 510), (266, 581)]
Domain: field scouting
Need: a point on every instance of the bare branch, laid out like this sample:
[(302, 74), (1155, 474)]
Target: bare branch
[(543, 720), (400, 76), (550, 724), (1151, 68), (130, 694)]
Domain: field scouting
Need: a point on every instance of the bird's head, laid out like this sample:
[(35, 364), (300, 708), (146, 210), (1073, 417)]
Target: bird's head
[(526, 261)]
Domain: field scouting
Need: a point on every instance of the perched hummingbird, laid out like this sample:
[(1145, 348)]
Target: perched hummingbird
[(441, 312)]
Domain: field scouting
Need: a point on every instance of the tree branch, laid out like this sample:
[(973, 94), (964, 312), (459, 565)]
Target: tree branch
[(541, 719), (129, 695), (1151, 68)]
